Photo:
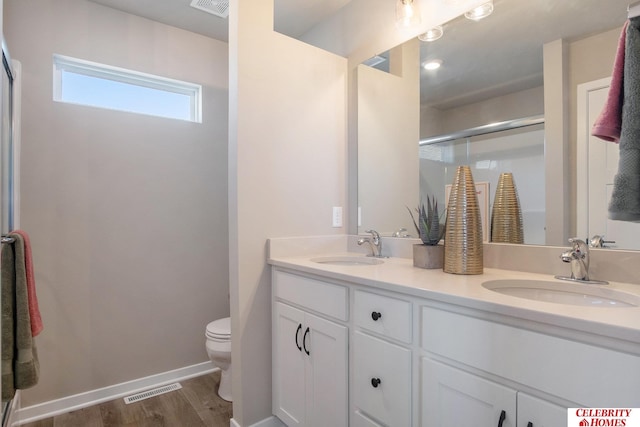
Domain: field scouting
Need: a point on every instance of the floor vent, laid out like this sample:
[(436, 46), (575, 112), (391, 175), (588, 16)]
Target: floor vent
[(151, 393), (215, 7)]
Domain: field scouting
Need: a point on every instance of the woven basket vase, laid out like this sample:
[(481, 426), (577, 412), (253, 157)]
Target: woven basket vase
[(463, 232)]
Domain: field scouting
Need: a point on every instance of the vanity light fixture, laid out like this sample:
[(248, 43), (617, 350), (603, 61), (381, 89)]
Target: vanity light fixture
[(407, 13), (432, 65), (432, 34), (480, 12)]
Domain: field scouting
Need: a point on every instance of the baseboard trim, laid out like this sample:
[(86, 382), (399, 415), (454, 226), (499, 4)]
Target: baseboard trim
[(272, 421), (94, 397)]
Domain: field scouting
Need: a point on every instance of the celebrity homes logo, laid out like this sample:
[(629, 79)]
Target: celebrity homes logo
[(603, 417)]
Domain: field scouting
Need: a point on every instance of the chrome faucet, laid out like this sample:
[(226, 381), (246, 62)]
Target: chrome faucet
[(578, 256), (375, 243)]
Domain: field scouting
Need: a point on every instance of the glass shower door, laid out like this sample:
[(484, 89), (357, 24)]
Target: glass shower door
[(6, 146)]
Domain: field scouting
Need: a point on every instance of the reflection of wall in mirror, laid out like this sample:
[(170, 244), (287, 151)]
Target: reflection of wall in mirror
[(388, 116)]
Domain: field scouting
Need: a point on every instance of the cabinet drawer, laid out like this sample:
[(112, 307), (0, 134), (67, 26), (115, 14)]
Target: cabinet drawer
[(384, 315), (388, 401), (322, 297)]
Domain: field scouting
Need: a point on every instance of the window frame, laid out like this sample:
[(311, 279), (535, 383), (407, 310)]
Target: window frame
[(82, 67)]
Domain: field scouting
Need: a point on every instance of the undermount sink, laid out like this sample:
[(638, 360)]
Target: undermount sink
[(347, 260), (564, 293)]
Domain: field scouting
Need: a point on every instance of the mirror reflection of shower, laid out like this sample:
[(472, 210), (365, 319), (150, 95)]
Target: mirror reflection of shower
[(516, 146)]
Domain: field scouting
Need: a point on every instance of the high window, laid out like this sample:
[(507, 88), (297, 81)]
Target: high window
[(88, 83)]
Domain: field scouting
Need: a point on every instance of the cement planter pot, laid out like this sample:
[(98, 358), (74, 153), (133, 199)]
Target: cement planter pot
[(427, 256)]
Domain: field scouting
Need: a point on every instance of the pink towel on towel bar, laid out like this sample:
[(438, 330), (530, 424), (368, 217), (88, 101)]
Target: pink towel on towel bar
[(34, 310), (609, 123)]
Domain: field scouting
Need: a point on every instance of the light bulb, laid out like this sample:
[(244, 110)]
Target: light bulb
[(432, 65), (407, 13), (432, 34), (480, 12)]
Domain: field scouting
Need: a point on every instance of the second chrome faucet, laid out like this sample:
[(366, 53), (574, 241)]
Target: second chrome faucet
[(578, 257)]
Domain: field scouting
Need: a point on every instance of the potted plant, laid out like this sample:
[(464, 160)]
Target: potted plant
[(429, 254)]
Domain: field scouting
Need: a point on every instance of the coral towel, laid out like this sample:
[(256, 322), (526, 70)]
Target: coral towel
[(34, 310), (608, 125)]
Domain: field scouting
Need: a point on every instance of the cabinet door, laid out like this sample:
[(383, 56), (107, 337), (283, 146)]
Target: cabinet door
[(288, 365), (327, 376), (451, 397), (382, 379), (539, 413)]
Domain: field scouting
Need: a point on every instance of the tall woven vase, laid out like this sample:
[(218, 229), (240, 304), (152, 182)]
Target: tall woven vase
[(463, 232), (506, 215)]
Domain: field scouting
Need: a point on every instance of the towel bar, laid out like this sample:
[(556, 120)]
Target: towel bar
[(7, 239)]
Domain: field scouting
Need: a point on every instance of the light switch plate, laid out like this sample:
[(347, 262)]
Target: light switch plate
[(337, 216)]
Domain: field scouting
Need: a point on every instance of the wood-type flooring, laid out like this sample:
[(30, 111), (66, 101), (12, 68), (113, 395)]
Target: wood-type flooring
[(196, 404)]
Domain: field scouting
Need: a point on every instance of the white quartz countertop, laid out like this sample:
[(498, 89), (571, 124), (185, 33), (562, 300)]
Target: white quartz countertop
[(399, 275)]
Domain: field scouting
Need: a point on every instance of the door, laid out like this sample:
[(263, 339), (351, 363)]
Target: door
[(310, 378), (533, 412), (327, 376), (451, 397), (596, 168), (288, 365)]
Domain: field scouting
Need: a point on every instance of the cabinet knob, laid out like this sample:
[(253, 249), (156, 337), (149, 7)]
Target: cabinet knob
[(375, 382), (375, 315), (503, 415), (529, 424)]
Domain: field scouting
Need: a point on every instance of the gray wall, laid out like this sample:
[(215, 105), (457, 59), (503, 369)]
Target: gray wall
[(127, 213)]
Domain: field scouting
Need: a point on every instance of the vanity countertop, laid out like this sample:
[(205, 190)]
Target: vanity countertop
[(399, 275)]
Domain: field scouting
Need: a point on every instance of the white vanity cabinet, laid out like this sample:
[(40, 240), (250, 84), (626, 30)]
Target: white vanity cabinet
[(367, 353), (310, 375), (381, 384)]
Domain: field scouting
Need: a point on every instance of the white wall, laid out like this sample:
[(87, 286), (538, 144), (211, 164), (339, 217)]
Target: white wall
[(287, 166), (127, 213)]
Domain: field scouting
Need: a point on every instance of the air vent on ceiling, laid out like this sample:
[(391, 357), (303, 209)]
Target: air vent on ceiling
[(373, 61), (215, 7)]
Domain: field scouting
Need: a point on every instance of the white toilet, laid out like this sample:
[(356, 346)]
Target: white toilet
[(219, 350)]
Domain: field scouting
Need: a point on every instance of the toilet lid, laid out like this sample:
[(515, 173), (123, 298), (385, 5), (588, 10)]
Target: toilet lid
[(220, 328)]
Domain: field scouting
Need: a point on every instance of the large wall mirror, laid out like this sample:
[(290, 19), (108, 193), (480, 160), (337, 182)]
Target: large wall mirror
[(492, 71)]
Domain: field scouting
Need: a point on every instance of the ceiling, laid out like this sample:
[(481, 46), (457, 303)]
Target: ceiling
[(491, 57)]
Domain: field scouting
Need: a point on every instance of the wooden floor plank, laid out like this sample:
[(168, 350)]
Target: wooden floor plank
[(117, 413), (86, 417), (176, 410), (197, 404), (202, 393)]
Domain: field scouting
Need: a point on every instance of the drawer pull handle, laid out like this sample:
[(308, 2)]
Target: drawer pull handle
[(375, 382), (298, 333), (376, 315), (503, 415), (304, 341), (529, 424)]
